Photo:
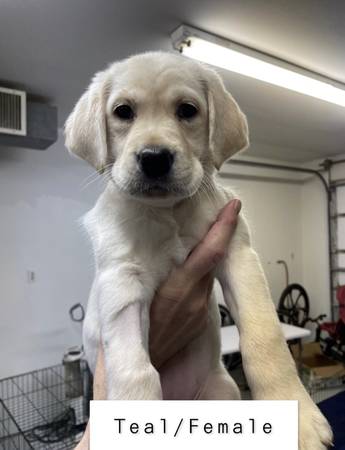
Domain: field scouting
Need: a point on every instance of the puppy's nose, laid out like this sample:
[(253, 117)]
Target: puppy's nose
[(155, 163)]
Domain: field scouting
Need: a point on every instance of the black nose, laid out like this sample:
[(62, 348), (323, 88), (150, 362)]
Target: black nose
[(155, 163)]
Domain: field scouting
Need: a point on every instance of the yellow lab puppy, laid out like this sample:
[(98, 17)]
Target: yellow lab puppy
[(159, 125)]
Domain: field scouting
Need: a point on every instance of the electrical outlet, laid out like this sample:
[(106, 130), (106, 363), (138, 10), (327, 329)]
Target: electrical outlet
[(31, 276)]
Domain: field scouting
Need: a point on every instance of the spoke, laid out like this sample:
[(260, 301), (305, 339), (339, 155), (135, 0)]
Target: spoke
[(291, 301), (299, 296)]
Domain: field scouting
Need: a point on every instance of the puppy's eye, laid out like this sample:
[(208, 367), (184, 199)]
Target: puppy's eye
[(186, 111), (124, 112)]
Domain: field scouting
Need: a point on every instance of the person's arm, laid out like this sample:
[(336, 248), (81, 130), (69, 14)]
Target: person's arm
[(184, 295)]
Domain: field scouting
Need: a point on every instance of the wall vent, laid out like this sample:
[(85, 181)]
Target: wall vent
[(12, 112)]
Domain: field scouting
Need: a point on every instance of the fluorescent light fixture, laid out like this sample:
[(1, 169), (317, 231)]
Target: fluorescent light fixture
[(228, 55)]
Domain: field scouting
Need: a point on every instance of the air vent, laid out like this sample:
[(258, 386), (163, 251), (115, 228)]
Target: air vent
[(12, 112)]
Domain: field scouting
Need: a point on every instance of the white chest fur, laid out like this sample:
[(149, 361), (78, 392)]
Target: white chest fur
[(149, 239)]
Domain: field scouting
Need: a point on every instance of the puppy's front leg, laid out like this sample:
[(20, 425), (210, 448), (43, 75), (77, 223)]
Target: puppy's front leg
[(124, 316), (270, 370)]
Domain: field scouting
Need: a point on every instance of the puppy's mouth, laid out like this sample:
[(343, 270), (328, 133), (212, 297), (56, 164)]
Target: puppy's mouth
[(156, 189), (167, 188)]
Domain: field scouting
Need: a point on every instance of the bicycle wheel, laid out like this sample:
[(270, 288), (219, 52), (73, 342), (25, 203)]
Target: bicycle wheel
[(294, 305)]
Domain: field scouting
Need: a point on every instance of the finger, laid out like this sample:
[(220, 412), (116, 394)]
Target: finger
[(99, 381), (211, 250)]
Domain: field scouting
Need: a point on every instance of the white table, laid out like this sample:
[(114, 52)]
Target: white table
[(230, 340)]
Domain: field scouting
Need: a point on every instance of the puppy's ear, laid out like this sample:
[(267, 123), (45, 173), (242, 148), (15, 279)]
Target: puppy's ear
[(85, 128), (228, 129)]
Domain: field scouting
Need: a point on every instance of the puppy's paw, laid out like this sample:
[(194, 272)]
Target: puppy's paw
[(314, 430)]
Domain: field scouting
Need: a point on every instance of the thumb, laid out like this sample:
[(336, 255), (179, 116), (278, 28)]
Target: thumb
[(207, 254)]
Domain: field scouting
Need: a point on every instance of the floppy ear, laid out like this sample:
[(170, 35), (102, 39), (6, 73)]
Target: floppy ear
[(85, 128), (228, 129)]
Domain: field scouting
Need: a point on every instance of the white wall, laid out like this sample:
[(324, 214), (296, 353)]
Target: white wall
[(315, 240), (273, 211), (41, 201), (305, 225)]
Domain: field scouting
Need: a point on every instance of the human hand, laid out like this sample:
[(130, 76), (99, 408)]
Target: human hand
[(179, 309)]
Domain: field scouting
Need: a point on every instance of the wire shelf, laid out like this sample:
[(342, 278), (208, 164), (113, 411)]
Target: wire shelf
[(44, 409)]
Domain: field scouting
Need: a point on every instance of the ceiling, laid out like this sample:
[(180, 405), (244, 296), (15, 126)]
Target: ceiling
[(53, 47)]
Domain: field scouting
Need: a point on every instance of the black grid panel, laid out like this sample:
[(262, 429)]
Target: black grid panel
[(44, 409)]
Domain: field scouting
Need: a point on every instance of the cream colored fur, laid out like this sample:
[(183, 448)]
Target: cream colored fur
[(137, 239)]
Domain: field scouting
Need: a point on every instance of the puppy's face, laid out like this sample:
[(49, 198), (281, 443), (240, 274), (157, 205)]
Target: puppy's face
[(151, 122), (157, 126)]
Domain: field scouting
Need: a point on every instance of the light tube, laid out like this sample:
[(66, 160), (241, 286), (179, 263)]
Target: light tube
[(235, 61)]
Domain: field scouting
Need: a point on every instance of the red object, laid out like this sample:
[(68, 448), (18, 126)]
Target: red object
[(335, 329), (330, 327), (341, 300)]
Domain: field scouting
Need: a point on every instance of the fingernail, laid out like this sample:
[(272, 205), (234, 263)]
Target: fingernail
[(236, 205)]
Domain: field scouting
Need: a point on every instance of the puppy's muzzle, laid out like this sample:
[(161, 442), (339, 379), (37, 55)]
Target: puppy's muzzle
[(155, 163)]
